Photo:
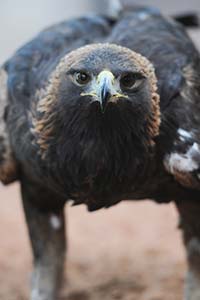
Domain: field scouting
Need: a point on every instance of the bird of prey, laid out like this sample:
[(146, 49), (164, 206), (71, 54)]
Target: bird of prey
[(97, 110)]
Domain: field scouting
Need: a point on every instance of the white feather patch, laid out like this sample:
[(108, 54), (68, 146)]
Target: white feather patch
[(184, 135), (183, 162), (55, 222)]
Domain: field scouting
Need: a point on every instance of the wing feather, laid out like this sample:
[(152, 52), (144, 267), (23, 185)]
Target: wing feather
[(182, 159), (8, 169)]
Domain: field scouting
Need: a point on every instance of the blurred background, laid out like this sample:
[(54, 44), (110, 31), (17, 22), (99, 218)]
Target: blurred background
[(131, 251), (20, 20)]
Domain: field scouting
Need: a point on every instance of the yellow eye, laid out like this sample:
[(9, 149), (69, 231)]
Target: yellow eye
[(131, 81), (82, 78)]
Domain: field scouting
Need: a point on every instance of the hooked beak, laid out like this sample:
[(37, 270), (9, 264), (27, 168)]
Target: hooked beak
[(106, 89)]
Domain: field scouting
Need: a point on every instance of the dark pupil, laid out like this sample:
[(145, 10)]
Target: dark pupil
[(82, 77), (128, 80)]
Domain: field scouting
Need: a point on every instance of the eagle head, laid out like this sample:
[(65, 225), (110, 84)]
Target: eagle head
[(99, 115)]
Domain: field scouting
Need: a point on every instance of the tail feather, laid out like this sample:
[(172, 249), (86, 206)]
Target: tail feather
[(118, 6), (191, 19), (188, 20)]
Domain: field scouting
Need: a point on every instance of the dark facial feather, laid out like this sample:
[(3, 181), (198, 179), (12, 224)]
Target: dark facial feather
[(92, 55)]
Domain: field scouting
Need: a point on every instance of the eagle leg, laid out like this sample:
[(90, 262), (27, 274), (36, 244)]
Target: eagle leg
[(47, 235), (190, 224)]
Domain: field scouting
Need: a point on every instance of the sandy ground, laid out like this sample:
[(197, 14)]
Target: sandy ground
[(132, 252)]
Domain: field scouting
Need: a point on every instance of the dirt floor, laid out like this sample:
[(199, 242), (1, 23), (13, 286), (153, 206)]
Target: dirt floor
[(132, 252)]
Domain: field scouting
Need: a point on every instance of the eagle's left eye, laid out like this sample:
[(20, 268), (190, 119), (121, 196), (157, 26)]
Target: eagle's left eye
[(130, 81), (82, 78)]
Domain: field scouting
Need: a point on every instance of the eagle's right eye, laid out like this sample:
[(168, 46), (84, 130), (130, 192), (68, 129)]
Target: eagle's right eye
[(82, 78)]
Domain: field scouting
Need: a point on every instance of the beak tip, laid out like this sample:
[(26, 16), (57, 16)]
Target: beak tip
[(102, 107)]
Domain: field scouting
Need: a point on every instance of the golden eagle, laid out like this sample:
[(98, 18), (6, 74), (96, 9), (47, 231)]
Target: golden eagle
[(99, 110)]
